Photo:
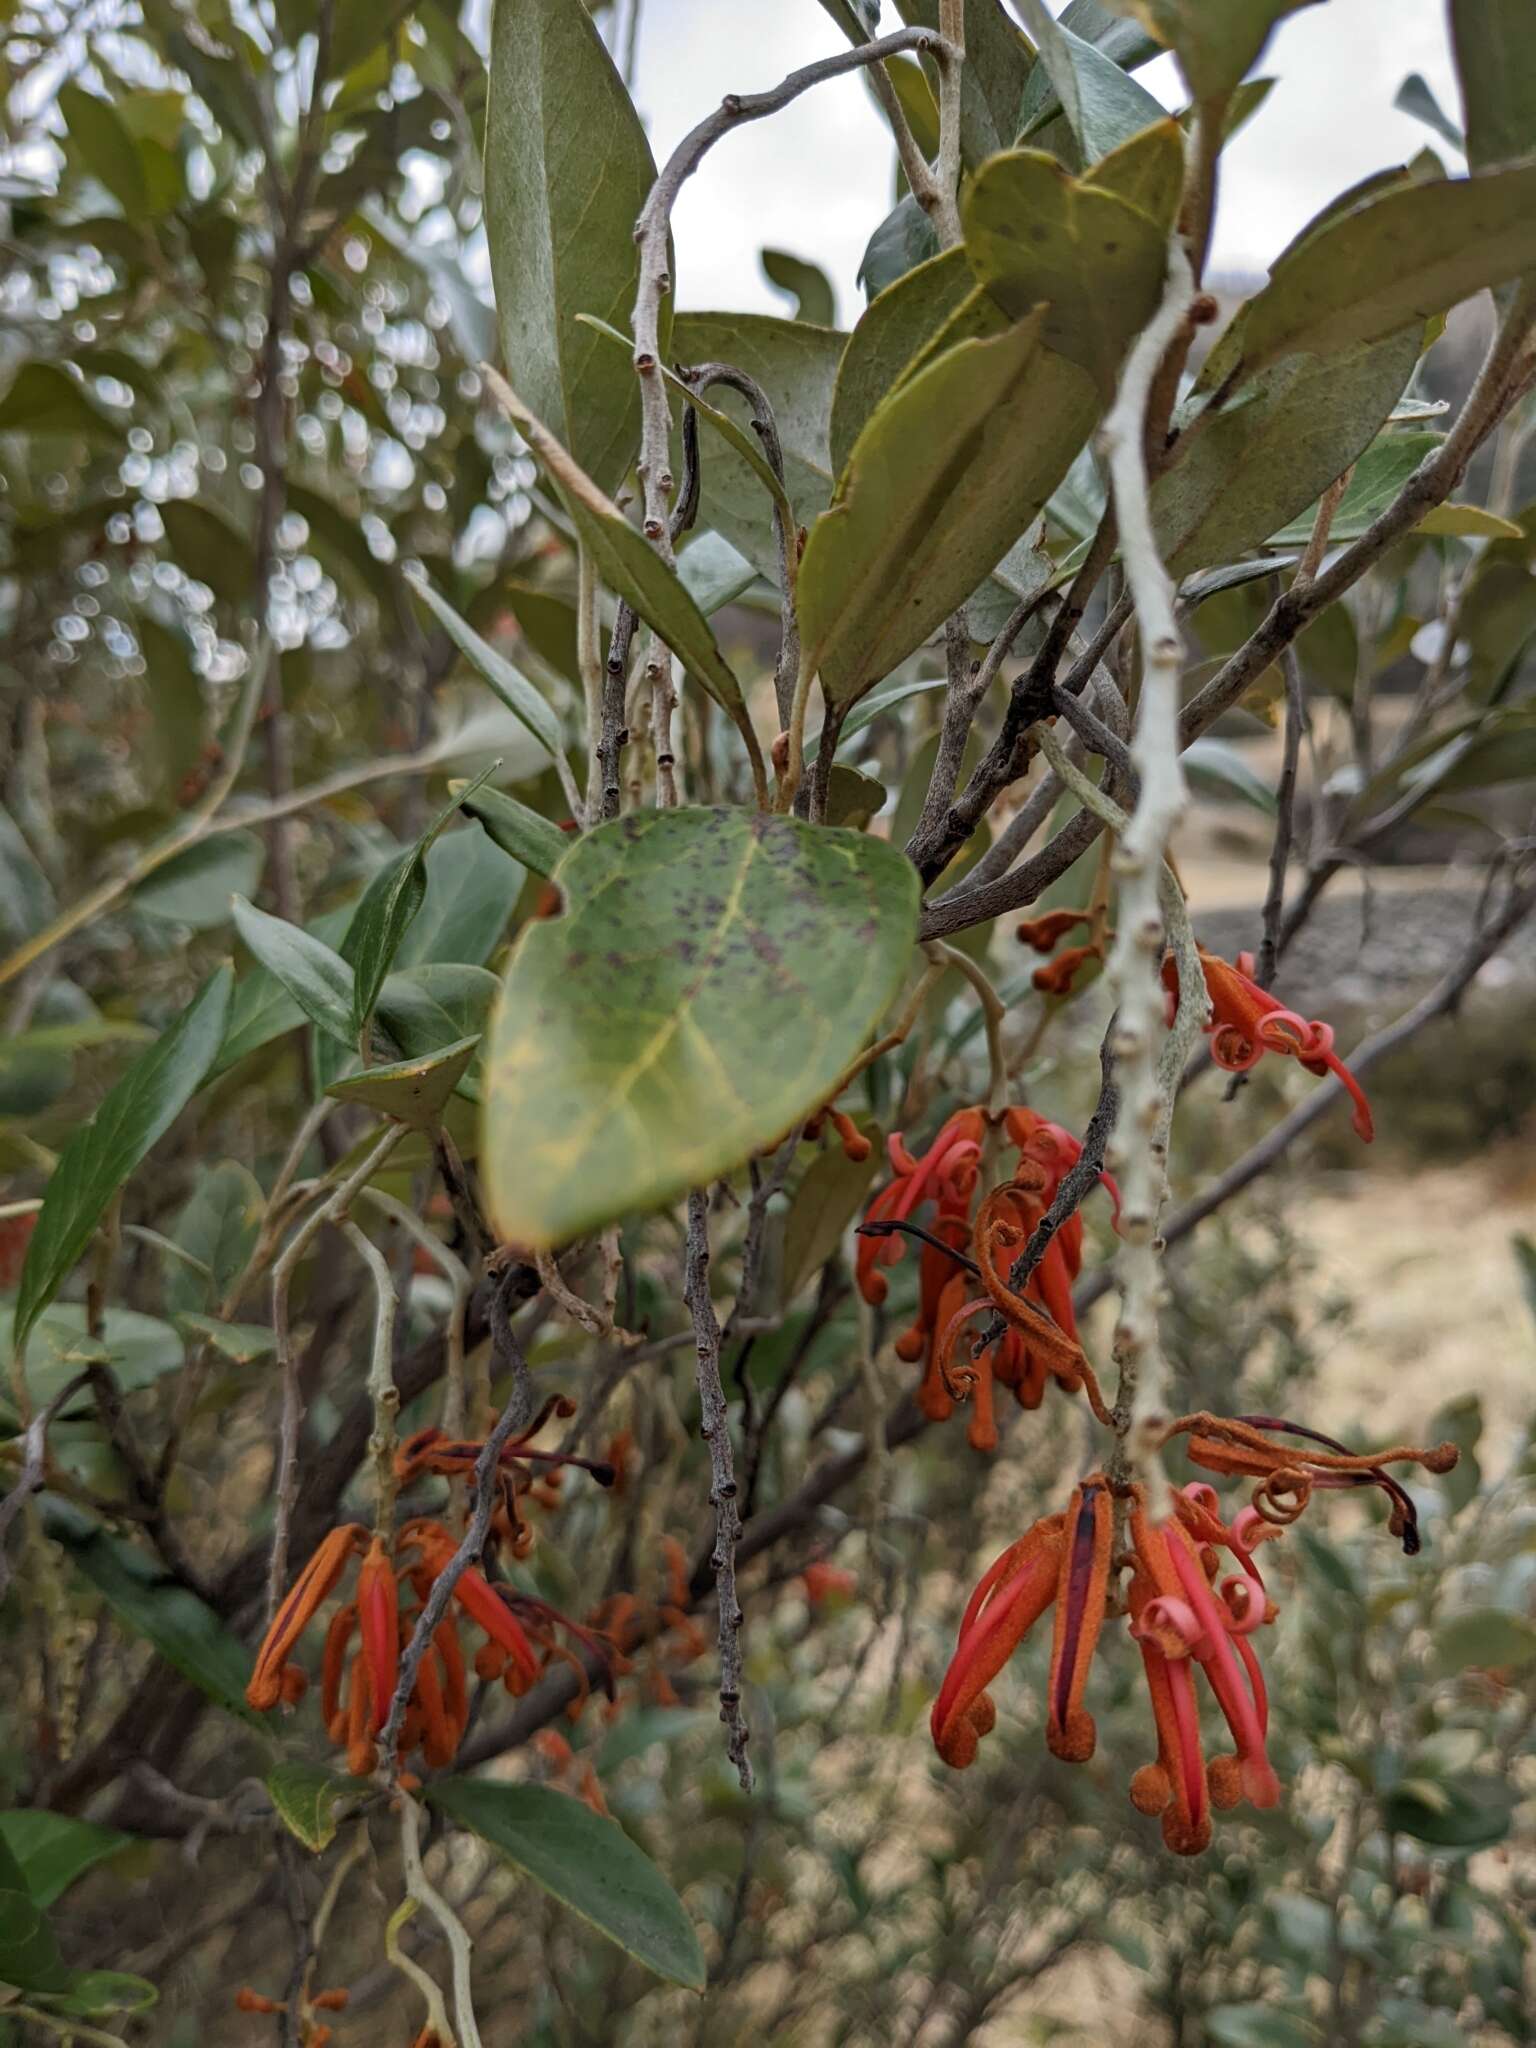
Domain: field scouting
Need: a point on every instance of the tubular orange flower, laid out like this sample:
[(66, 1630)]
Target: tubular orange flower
[(378, 1620), (308, 1592), (1041, 1339), (1178, 1617), (1247, 1022)]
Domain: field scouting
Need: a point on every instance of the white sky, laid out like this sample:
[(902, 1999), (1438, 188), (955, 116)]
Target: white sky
[(817, 178)]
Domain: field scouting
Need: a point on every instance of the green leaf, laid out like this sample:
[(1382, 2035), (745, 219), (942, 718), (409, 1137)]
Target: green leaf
[(1147, 171), (507, 681), (1468, 522), (825, 1203), (586, 1862), (1265, 458), (853, 799), (1379, 474), (533, 840), (1033, 232), (1257, 2026), (414, 1091), (102, 1154), (29, 1955), (306, 1797), (209, 547), (1415, 96), (472, 889), (319, 980), (1104, 107), (1472, 1813), (104, 148), (567, 170), (1221, 771), (1485, 1639), (27, 900), (1410, 252), (262, 1009), (1491, 41), (713, 974), (1460, 1420), (91, 1994), (797, 366), (218, 1226), (385, 913), (905, 238), (427, 1008), (1215, 44), (628, 564), (713, 572), (147, 1600), (43, 398), (949, 470), (993, 78), (896, 328), (139, 1348), (739, 439), (240, 1343), (803, 282), (194, 889), (53, 1849)]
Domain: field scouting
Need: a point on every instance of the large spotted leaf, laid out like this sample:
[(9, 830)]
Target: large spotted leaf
[(713, 974)]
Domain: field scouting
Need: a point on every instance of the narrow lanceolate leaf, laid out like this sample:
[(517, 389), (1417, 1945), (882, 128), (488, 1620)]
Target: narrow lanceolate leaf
[(897, 326), (797, 365), (1033, 232), (1104, 107), (587, 1863), (319, 980), (53, 1849), (508, 682), (946, 475), (1215, 44), (1403, 256), (628, 564), (413, 1092), (516, 830), (714, 973), (1496, 63), (1271, 454), (993, 79), (147, 1600), (567, 170), (384, 915), (102, 1154)]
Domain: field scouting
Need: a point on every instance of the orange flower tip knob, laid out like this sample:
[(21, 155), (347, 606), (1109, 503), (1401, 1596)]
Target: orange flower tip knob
[(247, 2000), (856, 1147), (331, 2001)]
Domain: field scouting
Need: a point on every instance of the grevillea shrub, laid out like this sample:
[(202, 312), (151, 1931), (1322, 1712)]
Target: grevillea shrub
[(652, 1391)]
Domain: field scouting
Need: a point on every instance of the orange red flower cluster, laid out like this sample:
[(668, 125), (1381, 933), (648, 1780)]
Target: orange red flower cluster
[(521, 1632), (964, 1260), (1184, 1607)]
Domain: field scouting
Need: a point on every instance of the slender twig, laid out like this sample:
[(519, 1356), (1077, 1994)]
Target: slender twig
[(946, 215), (715, 1428), (420, 1890), (654, 225), (34, 1465), (992, 1008), (516, 1415), (1285, 815), (286, 1478), (1322, 526), (456, 1273), (1138, 1147), (382, 1391)]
